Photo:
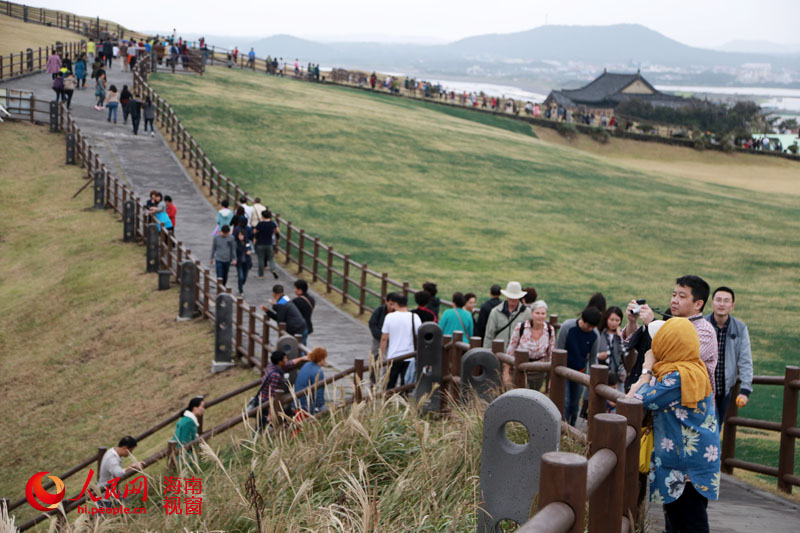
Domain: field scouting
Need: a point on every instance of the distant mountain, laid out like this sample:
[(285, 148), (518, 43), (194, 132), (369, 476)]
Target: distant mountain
[(764, 47)]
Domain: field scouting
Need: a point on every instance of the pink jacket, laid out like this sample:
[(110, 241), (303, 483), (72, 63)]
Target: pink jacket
[(53, 64)]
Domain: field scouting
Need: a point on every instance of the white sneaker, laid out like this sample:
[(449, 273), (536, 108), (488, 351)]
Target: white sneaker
[(152, 134)]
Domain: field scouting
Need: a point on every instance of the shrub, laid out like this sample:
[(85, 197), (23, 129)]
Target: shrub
[(567, 130), (793, 148), (600, 135)]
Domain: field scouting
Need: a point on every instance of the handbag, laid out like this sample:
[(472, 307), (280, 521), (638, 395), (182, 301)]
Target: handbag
[(646, 449)]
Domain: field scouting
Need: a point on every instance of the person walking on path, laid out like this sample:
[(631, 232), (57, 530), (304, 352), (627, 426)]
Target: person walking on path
[(135, 109), (100, 88), (580, 338), (536, 337), (504, 317), (224, 216), (53, 65), (108, 53), (284, 310), (264, 233), (223, 253), (70, 84), (486, 308), (398, 337), (112, 103), (149, 111), (80, 71), (124, 102), (258, 208), (305, 304), (457, 319), (244, 259), (58, 87), (90, 50)]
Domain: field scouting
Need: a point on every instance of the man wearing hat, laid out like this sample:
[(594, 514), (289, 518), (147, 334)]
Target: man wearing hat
[(504, 318)]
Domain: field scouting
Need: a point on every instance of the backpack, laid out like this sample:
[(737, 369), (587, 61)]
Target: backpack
[(58, 83)]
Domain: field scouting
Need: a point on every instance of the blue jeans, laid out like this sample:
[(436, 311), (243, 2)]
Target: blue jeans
[(241, 272), (573, 402), (112, 109), (223, 267), (305, 335)]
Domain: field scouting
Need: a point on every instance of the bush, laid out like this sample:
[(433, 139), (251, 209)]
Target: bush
[(645, 127), (700, 140), (793, 148), (728, 142), (567, 130), (600, 135)]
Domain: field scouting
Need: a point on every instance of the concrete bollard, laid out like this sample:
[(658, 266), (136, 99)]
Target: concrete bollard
[(291, 347), (152, 247), (487, 383), (163, 280), (70, 148), (128, 221), (53, 116), (509, 471), (223, 333), (186, 308), (99, 190), (429, 366)]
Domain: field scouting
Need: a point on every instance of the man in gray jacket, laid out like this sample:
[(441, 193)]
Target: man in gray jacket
[(505, 317), (223, 252), (734, 352)]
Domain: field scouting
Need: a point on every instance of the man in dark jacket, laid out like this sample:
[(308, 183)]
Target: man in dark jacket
[(135, 111), (486, 308), (108, 52), (285, 312), (305, 304), (375, 327)]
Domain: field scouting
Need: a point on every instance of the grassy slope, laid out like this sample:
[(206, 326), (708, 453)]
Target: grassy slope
[(16, 36), (90, 350), (425, 195)]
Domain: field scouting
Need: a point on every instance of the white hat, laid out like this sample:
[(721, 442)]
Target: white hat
[(513, 290)]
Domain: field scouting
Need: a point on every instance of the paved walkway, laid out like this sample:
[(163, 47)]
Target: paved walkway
[(147, 163)]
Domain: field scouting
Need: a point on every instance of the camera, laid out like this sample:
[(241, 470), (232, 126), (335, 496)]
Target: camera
[(638, 306)]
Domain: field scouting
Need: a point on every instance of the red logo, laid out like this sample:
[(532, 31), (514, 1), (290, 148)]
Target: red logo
[(35, 491)]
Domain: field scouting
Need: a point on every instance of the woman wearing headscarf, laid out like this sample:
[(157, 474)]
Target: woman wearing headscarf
[(684, 468)]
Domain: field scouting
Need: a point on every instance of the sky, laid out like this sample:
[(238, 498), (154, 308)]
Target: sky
[(704, 23)]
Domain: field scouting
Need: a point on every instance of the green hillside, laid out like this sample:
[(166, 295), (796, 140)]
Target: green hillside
[(424, 192)]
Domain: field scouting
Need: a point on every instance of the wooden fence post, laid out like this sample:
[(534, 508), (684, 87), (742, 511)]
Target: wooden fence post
[(598, 375), (329, 272), (632, 411), (606, 503), (558, 385), (384, 285), (362, 296), (315, 267), (358, 379), (264, 343), (345, 278), (566, 482), (520, 378), (251, 331), (239, 320), (788, 421), (300, 246), (288, 241), (101, 451)]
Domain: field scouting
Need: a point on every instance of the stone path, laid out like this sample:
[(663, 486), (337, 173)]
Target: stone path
[(147, 163)]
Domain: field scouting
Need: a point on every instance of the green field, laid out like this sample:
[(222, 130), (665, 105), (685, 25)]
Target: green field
[(425, 192)]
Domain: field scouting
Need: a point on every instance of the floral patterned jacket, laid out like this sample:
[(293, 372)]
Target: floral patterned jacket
[(686, 441)]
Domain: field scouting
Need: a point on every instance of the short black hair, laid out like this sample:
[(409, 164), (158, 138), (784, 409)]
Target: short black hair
[(458, 300), (266, 214), (277, 289), (302, 285), (469, 296), (194, 402), (127, 442), (225, 228), (257, 200), (699, 287), (494, 290), (391, 297), (430, 288), (168, 198), (591, 316), (224, 203), (399, 298), (243, 199), (277, 356), (725, 289), (422, 298)]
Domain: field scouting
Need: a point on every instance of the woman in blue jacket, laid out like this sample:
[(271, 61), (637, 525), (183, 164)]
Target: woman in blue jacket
[(309, 374)]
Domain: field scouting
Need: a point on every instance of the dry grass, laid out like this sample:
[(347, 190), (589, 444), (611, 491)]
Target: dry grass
[(16, 36), (752, 172), (90, 349)]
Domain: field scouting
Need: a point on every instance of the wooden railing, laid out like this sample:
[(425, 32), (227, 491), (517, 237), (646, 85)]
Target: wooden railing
[(30, 61), (787, 427), (87, 26)]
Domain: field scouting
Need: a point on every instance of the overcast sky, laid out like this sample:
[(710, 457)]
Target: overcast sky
[(694, 22)]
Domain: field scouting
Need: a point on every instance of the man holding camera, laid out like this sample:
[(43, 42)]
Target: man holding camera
[(735, 357), (688, 299)]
